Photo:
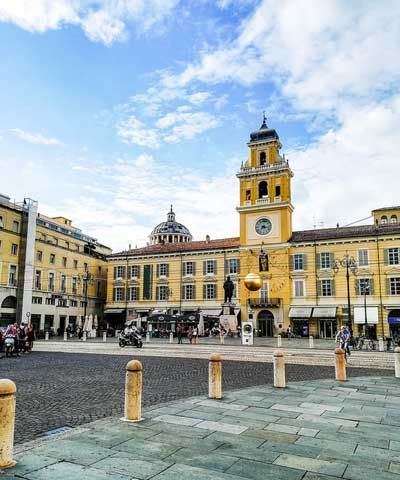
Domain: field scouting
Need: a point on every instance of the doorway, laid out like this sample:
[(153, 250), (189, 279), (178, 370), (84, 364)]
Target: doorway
[(327, 328), (265, 324), (62, 323)]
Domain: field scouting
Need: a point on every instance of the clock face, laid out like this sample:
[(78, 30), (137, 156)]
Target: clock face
[(263, 226)]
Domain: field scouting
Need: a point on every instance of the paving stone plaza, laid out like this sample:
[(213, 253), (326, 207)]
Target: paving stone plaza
[(311, 430)]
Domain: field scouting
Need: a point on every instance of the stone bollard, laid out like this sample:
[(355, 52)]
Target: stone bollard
[(279, 341), (381, 346), (84, 337), (340, 365), (311, 341), (148, 337), (215, 377), (222, 339), (46, 336), (279, 369), (7, 419), (133, 392), (65, 336), (397, 362), (171, 337), (104, 337)]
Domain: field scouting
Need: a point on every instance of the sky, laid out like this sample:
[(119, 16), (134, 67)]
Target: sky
[(111, 110)]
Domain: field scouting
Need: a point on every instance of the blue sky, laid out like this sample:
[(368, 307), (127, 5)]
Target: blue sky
[(111, 110)]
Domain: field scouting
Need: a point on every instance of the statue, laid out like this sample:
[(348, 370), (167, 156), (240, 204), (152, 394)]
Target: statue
[(228, 289)]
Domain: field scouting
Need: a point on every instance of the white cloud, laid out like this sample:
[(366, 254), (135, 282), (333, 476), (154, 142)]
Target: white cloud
[(36, 138), (132, 130), (102, 20)]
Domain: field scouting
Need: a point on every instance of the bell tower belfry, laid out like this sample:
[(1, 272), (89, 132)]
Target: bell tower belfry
[(265, 193)]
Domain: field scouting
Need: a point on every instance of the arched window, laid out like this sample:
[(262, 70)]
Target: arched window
[(262, 189), (9, 302), (263, 158), (169, 238), (393, 219), (384, 220)]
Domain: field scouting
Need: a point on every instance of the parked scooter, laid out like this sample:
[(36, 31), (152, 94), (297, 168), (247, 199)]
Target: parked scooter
[(10, 345), (130, 338)]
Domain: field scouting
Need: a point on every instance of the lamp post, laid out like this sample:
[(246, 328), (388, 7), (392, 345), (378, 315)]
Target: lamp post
[(366, 292), (350, 265), (86, 278)]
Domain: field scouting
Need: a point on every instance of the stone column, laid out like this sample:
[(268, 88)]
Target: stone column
[(215, 377), (104, 336), (171, 337), (133, 391), (7, 419), (279, 369), (311, 341), (46, 335), (65, 336), (340, 365), (279, 341), (381, 346)]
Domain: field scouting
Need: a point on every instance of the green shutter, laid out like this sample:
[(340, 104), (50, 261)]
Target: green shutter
[(157, 292), (333, 290), (318, 260), (167, 270), (388, 286), (158, 270), (386, 256), (215, 267), (204, 292), (204, 267), (304, 261), (183, 268), (331, 259), (226, 267), (194, 292), (115, 273), (194, 268), (114, 292), (138, 272), (371, 286), (238, 265), (147, 280), (319, 289), (291, 262)]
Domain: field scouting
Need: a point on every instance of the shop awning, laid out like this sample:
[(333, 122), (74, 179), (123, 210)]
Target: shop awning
[(372, 315), (324, 312), (211, 312), (393, 320), (300, 312), (114, 310)]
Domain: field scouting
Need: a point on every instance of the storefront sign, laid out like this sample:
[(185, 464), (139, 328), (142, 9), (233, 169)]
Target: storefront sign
[(372, 315), (324, 312), (302, 312)]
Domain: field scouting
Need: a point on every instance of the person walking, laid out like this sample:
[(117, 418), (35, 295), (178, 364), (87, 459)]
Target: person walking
[(190, 334), (289, 333), (30, 338), (343, 338), (179, 331)]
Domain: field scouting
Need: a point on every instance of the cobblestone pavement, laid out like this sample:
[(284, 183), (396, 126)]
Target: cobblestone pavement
[(311, 430), (58, 389)]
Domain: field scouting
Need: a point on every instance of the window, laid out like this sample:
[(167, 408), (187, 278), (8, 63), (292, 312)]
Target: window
[(263, 158), (363, 259), (52, 258), (384, 220), (38, 280), (393, 219), (14, 249), (264, 292), (210, 267), (50, 301), (325, 260), (75, 264), (85, 267), (162, 292), (262, 189), (248, 195), (63, 283), (74, 285), (298, 288), (118, 294), (73, 303), (278, 191), (51, 282), (189, 292), (15, 226), (298, 260), (210, 291), (12, 275), (62, 302), (393, 256), (189, 268), (119, 272), (39, 255), (233, 266), (67, 245), (162, 270), (1, 222), (37, 300), (326, 288), (133, 294), (134, 271), (64, 261), (82, 304), (394, 286), (364, 286)]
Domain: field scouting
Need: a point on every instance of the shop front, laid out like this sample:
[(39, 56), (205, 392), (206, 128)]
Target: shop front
[(326, 321), (300, 321), (366, 319), (394, 323)]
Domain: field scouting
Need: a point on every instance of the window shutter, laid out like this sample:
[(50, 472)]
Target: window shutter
[(357, 286), (291, 263), (238, 265), (114, 292), (158, 292), (138, 271), (333, 288), (318, 260), (371, 286), (194, 292), (226, 267), (331, 259), (183, 268), (115, 273), (167, 270), (194, 268), (158, 270), (204, 267), (204, 292), (215, 267), (388, 286), (319, 289), (183, 297), (386, 256), (304, 261)]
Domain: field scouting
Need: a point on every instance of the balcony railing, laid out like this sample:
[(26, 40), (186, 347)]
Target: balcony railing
[(264, 302), (262, 201)]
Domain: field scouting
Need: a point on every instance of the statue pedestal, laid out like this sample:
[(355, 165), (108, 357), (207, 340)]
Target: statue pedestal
[(228, 318), (228, 308)]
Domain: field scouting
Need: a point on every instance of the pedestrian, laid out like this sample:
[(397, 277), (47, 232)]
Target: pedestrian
[(190, 334), (343, 337), (179, 331), (195, 334), (22, 338), (30, 337), (289, 333)]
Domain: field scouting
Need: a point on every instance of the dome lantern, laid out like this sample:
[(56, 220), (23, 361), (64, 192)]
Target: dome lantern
[(170, 231)]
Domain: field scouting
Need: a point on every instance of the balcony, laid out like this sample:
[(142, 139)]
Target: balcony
[(264, 302), (262, 201)]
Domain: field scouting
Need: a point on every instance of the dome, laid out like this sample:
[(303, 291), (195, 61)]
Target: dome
[(170, 231), (264, 133)]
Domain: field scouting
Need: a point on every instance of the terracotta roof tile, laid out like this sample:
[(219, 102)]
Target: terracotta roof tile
[(344, 232)]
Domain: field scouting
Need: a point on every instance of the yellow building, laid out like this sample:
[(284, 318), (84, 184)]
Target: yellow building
[(309, 277), (46, 267)]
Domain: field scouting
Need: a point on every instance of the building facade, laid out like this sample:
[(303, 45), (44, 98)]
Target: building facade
[(313, 280), (51, 274)]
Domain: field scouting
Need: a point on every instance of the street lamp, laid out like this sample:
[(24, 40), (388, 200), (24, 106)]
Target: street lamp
[(366, 292), (350, 264), (86, 278)]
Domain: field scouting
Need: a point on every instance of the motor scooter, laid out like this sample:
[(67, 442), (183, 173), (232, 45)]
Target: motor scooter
[(130, 339)]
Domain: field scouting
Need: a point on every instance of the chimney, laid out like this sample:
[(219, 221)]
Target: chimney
[(207, 238)]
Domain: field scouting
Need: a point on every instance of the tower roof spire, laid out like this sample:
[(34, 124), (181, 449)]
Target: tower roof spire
[(264, 124)]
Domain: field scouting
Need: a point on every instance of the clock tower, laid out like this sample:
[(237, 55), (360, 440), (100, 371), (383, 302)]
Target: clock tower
[(265, 198)]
